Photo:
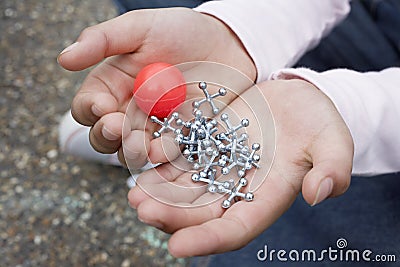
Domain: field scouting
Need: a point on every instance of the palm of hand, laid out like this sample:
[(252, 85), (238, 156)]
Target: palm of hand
[(312, 143)]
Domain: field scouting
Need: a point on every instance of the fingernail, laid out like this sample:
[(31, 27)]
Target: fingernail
[(154, 224), (96, 111), (69, 48), (131, 205), (109, 135), (324, 190)]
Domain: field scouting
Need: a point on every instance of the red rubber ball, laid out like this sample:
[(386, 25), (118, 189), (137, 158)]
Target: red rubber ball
[(159, 89)]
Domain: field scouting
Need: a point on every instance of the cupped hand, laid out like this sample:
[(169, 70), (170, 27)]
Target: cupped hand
[(311, 152), (128, 43)]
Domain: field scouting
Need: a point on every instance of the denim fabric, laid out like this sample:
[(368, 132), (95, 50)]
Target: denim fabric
[(388, 19), (127, 5), (369, 39)]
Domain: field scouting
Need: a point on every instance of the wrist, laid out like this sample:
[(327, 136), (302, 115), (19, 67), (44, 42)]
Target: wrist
[(229, 48)]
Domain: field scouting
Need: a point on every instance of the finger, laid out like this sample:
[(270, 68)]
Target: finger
[(241, 223), (121, 35), (332, 155), (161, 174), (106, 89), (171, 208), (88, 108), (105, 136), (170, 182), (164, 149), (135, 148), (171, 218)]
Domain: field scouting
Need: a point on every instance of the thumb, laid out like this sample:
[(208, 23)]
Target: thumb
[(123, 34), (332, 157)]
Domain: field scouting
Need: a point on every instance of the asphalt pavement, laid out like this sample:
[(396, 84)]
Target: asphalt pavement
[(57, 210)]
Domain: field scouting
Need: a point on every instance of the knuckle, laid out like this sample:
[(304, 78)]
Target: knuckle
[(89, 31)]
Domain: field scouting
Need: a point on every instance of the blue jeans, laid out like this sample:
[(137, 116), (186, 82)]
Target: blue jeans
[(369, 39), (127, 5), (367, 216)]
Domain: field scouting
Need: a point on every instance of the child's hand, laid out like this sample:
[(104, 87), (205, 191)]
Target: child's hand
[(314, 152), (132, 41)]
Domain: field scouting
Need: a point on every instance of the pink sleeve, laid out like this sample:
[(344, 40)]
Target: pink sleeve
[(370, 105), (276, 33)]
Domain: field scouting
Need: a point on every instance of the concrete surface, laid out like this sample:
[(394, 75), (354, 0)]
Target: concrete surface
[(56, 210)]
